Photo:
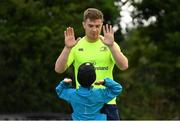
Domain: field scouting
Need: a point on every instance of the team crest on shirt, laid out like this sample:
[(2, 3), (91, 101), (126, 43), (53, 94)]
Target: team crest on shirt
[(103, 48)]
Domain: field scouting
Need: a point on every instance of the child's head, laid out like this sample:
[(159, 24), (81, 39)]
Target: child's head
[(86, 74)]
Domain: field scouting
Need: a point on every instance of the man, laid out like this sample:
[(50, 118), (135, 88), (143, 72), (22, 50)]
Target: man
[(87, 101), (102, 51)]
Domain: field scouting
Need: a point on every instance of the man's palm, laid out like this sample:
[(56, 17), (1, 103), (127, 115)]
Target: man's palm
[(108, 35), (69, 37)]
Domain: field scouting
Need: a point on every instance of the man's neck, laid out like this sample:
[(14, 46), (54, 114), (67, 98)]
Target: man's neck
[(91, 40)]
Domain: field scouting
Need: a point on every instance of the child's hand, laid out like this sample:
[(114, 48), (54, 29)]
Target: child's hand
[(101, 82), (66, 80)]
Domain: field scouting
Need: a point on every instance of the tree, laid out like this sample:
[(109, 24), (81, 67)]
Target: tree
[(153, 85)]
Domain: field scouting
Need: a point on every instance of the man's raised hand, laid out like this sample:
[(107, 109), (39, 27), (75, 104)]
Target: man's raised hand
[(70, 38), (108, 35)]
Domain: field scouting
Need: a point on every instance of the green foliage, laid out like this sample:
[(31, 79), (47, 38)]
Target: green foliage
[(152, 86)]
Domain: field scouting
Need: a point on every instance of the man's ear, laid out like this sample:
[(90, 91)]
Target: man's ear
[(83, 23)]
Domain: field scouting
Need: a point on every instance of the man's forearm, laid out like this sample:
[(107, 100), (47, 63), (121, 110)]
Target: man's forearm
[(120, 59), (61, 62)]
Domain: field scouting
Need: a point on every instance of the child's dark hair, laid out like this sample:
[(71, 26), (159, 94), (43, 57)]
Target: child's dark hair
[(86, 74)]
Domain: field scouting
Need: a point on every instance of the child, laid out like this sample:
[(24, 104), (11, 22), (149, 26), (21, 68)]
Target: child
[(87, 101)]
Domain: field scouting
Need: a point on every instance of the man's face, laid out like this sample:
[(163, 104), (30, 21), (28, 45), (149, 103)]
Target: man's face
[(92, 28)]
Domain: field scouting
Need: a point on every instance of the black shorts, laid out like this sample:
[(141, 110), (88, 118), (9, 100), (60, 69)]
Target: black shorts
[(111, 111)]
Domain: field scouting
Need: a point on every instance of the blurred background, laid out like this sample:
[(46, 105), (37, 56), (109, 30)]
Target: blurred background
[(31, 39)]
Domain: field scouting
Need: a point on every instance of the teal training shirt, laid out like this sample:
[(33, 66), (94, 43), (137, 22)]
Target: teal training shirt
[(98, 54)]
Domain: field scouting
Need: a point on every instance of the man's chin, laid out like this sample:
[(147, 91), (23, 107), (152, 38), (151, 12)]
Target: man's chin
[(95, 37)]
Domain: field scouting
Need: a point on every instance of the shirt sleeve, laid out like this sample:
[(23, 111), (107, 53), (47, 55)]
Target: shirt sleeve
[(112, 90), (64, 91)]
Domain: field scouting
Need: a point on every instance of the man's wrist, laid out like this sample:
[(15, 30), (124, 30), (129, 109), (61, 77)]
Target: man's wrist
[(68, 48), (111, 46)]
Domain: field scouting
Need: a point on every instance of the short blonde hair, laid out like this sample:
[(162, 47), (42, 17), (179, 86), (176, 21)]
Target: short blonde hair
[(93, 14)]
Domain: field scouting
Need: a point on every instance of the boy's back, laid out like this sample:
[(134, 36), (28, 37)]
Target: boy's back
[(87, 102)]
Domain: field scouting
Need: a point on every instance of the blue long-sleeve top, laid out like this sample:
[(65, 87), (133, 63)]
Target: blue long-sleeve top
[(87, 102)]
